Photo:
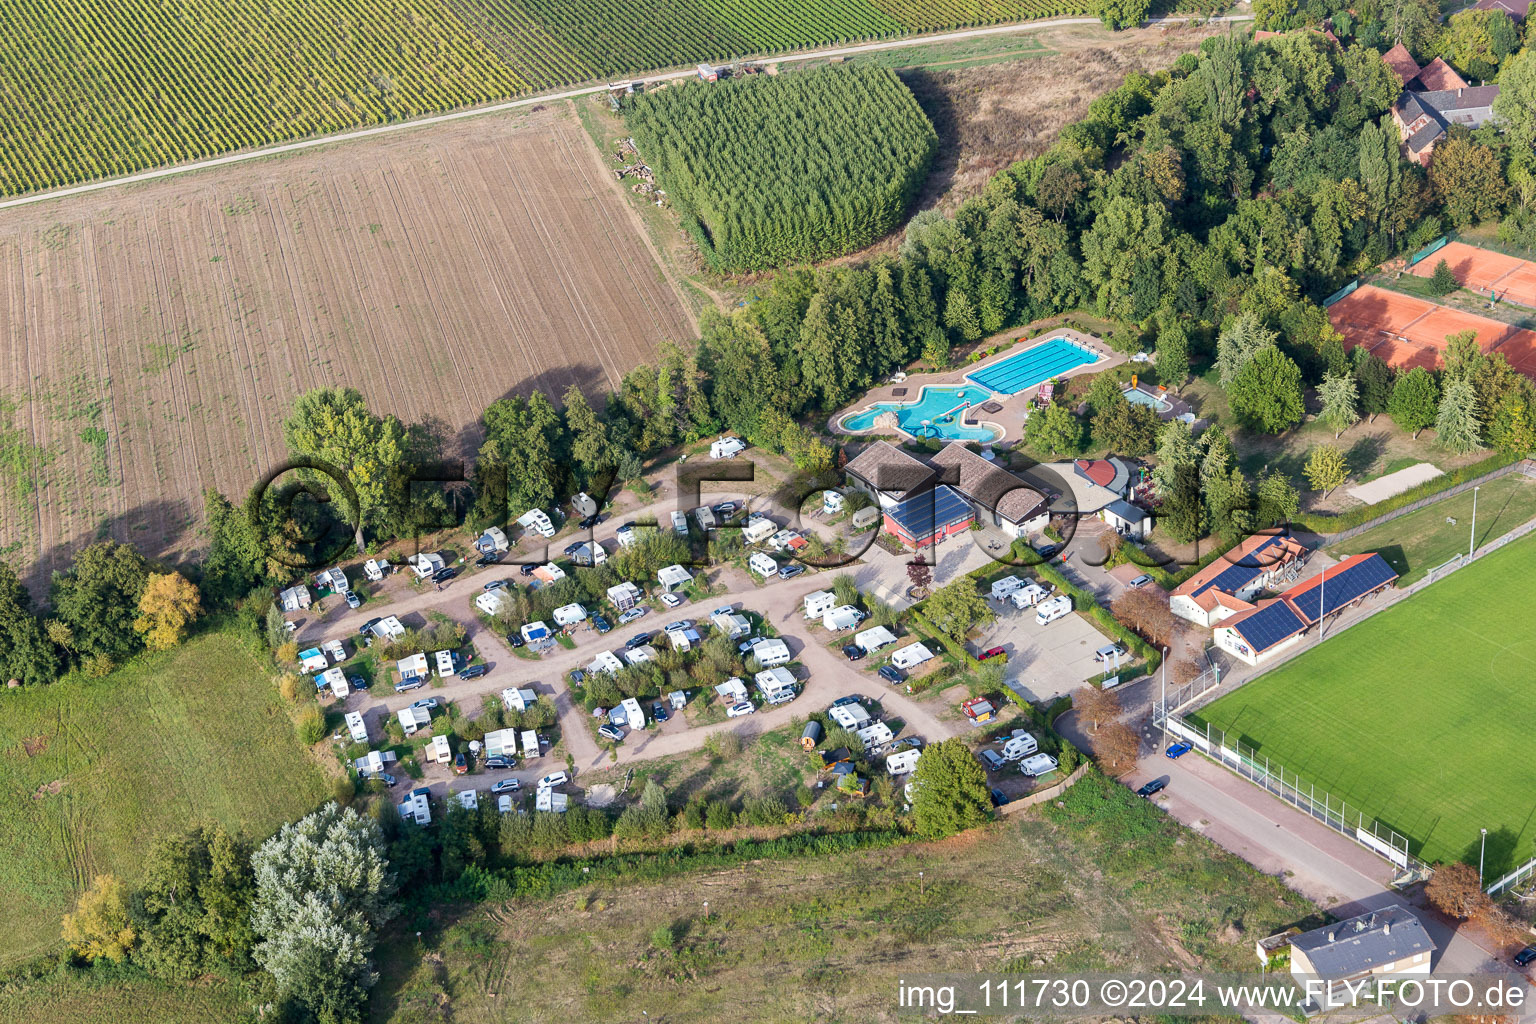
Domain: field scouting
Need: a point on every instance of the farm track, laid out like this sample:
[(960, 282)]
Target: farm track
[(436, 273)]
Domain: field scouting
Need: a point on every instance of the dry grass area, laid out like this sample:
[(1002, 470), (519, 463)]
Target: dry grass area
[(990, 115), (153, 339)]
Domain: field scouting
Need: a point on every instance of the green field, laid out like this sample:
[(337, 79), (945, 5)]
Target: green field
[(1419, 541), (95, 89), (124, 997), (1421, 715), (93, 770)]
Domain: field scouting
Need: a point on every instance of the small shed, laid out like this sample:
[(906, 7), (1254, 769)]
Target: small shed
[(295, 599), (865, 517), (672, 577), (810, 735)]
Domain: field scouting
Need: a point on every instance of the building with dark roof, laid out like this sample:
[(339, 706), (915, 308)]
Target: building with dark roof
[(1423, 117), (888, 474), (1126, 519), (1390, 941), (930, 517), (1228, 585), (1266, 629), (1516, 9), (996, 495)]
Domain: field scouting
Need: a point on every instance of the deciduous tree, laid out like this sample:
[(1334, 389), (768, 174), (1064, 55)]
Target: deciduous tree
[(167, 610), (100, 926), (1117, 747), (957, 608), (1096, 706), (1267, 393), (98, 597), (26, 652), (1341, 402), (1415, 400), (1325, 468), (335, 426), (950, 791)]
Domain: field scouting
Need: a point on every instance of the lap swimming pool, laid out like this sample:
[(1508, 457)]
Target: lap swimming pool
[(938, 412), (1026, 369)]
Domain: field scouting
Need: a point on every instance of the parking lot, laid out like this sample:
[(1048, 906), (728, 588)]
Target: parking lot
[(1044, 662)]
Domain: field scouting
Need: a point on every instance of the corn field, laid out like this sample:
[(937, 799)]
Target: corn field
[(96, 88), (767, 170)]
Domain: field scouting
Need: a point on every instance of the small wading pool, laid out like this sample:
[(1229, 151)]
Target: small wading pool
[(1026, 369), (1137, 396), (942, 408)]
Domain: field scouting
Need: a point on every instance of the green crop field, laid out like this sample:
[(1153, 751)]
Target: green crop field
[(1421, 715), (91, 89), (768, 170), (92, 770)]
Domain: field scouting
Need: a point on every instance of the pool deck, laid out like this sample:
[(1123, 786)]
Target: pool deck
[(1010, 420)]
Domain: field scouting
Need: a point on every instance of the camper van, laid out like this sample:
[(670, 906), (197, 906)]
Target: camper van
[(1040, 764), (1006, 586), (1055, 608), (679, 523), (831, 503), (706, 517), (1029, 596), (819, 603), (911, 656), (758, 529), (902, 761), (1020, 746)]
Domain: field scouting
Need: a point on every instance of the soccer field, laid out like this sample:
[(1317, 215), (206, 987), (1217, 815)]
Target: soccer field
[(1422, 715)]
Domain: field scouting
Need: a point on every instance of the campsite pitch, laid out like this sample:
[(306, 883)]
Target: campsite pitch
[(1420, 715)]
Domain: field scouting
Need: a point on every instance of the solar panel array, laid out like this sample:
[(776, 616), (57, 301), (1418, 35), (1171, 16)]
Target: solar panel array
[(921, 516), (1242, 572), (1339, 590), (1269, 625)]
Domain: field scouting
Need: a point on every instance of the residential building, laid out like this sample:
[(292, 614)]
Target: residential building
[(1096, 483), (1516, 9), (1126, 519), (1423, 117), (887, 474), (1389, 941), (997, 496), (1229, 584)]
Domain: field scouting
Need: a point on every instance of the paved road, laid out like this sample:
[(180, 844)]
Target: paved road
[(495, 108)]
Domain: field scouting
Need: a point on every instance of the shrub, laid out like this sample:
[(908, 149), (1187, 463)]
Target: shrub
[(310, 725)]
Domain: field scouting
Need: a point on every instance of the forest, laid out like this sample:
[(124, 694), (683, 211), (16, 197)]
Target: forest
[(773, 169)]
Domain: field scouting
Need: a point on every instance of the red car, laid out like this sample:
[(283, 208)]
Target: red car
[(995, 652), (460, 765)]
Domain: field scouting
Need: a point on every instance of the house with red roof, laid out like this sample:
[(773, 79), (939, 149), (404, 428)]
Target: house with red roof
[(1272, 626), (1434, 97), (1228, 586)]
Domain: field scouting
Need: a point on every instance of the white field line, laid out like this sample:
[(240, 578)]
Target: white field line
[(422, 122)]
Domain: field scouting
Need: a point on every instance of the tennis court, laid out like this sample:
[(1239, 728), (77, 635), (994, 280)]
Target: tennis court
[(1406, 331), (1506, 278)]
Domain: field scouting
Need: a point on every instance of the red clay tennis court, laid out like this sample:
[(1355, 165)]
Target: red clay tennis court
[(1406, 331), (1487, 272)]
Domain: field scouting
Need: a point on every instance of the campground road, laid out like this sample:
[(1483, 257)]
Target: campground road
[(528, 101)]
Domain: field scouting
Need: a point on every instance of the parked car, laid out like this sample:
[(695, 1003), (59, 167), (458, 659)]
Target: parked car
[(444, 574), (507, 786), (353, 601), (600, 624), (571, 549), (1155, 786), (998, 798), (746, 645), (1139, 581), (410, 684), (554, 779), (1525, 956), (740, 710), (514, 640), (461, 765), (632, 615), (638, 640), (527, 568), (590, 521), (357, 682), (679, 624), (611, 732), (659, 712), (367, 627), (485, 560), (1109, 652), (915, 742), (498, 763), (725, 508), (992, 652), (843, 702), (474, 671), (293, 627), (671, 600), (1178, 750), (430, 703), (853, 652), (789, 572), (498, 585), (992, 759), (578, 676)]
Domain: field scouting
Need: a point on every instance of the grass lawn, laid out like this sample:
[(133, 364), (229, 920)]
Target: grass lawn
[(124, 997), (1419, 541), (823, 938), (93, 770), (1421, 715)]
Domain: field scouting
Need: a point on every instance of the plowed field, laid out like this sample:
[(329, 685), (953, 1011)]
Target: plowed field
[(152, 340)]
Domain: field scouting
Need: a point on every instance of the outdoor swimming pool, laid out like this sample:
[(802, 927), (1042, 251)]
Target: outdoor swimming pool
[(1026, 369), (1136, 396), (940, 407)]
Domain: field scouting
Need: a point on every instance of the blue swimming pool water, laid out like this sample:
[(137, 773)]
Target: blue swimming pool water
[(1136, 396), (940, 406), (1025, 370)]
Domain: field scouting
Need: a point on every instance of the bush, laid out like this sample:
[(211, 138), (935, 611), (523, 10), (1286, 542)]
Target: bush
[(343, 790), (310, 725), (291, 687), (717, 815)]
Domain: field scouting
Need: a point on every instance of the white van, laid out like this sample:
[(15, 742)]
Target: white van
[(1055, 608), (1020, 746)]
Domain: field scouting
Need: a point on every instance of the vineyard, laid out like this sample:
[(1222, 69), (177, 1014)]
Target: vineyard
[(768, 170), (90, 88)]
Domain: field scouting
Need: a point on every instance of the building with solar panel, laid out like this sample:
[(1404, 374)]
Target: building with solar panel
[(1270, 627), (1229, 585), (929, 517)]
